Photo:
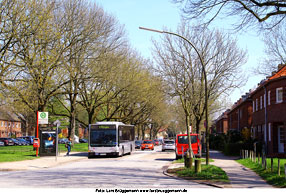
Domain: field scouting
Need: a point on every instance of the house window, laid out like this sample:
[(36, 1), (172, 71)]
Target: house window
[(256, 104), (269, 97), (279, 95), (264, 132), (253, 106), (264, 100), (6, 124), (260, 102)]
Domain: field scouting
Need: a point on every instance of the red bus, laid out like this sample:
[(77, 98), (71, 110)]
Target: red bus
[(182, 145)]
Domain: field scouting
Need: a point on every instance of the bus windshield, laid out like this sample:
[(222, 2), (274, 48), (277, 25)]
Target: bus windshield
[(103, 136), (184, 139)]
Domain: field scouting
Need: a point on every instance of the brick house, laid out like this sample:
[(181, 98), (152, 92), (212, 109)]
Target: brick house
[(10, 125), (82, 132), (240, 114), (221, 124), (269, 113)]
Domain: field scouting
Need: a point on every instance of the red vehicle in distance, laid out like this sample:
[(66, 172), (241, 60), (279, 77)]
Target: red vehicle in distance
[(147, 144), (182, 145)]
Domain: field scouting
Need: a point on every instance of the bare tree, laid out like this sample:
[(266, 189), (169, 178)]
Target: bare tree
[(275, 50), (264, 13), (180, 67)]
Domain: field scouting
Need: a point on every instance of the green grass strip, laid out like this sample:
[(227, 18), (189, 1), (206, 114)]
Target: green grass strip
[(19, 153), (181, 160), (209, 172)]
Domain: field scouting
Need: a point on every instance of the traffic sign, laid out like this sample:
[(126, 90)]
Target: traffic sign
[(43, 117)]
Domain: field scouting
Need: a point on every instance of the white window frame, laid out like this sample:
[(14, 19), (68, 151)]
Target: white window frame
[(253, 106), (256, 104), (264, 132), (264, 100), (278, 100), (269, 95)]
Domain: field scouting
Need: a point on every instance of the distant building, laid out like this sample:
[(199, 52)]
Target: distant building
[(10, 125), (221, 124), (240, 114)]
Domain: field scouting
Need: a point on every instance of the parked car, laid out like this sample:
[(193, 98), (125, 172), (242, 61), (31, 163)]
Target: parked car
[(23, 141), (147, 144), (168, 145), (29, 139), (138, 144), (83, 140), (16, 142), (7, 141), (156, 142), (2, 143), (62, 141)]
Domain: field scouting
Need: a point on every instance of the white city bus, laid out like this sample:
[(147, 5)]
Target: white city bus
[(110, 138)]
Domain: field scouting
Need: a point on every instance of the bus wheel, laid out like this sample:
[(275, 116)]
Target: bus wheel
[(130, 150), (122, 151)]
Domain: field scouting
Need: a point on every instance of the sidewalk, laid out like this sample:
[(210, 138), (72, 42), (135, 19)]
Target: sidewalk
[(42, 162), (239, 176)]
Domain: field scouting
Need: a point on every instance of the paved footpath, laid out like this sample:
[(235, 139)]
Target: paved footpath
[(239, 176)]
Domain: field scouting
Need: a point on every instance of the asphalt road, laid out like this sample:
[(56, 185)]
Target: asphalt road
[(142, 169)]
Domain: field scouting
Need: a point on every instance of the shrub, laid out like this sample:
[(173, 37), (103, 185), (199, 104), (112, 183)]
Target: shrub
[(233, 149), (217, 141)]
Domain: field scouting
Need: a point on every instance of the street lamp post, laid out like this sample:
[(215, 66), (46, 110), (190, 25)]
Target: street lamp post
[(205, 78)]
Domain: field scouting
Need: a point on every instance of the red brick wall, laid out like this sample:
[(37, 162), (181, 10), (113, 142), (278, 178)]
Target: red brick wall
[(276, 113), (7, 127)]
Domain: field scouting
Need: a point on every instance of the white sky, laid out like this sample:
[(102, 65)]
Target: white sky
[(157, 14)]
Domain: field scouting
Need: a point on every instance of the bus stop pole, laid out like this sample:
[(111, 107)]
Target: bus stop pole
[(58, 123), (37, 132), (57, 143)]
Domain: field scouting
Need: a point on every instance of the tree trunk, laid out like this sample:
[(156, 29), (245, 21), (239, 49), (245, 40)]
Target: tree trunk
[(189, 136)]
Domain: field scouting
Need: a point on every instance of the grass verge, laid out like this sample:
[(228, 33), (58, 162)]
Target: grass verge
[(272, 178), (209, 172), (181, 160), (16, 153), (19, 153)]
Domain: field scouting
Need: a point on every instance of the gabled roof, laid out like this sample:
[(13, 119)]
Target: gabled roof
[(8, 116), (281, 73)]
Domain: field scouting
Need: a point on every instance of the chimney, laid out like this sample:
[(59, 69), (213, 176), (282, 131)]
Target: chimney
[(280, 66)]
